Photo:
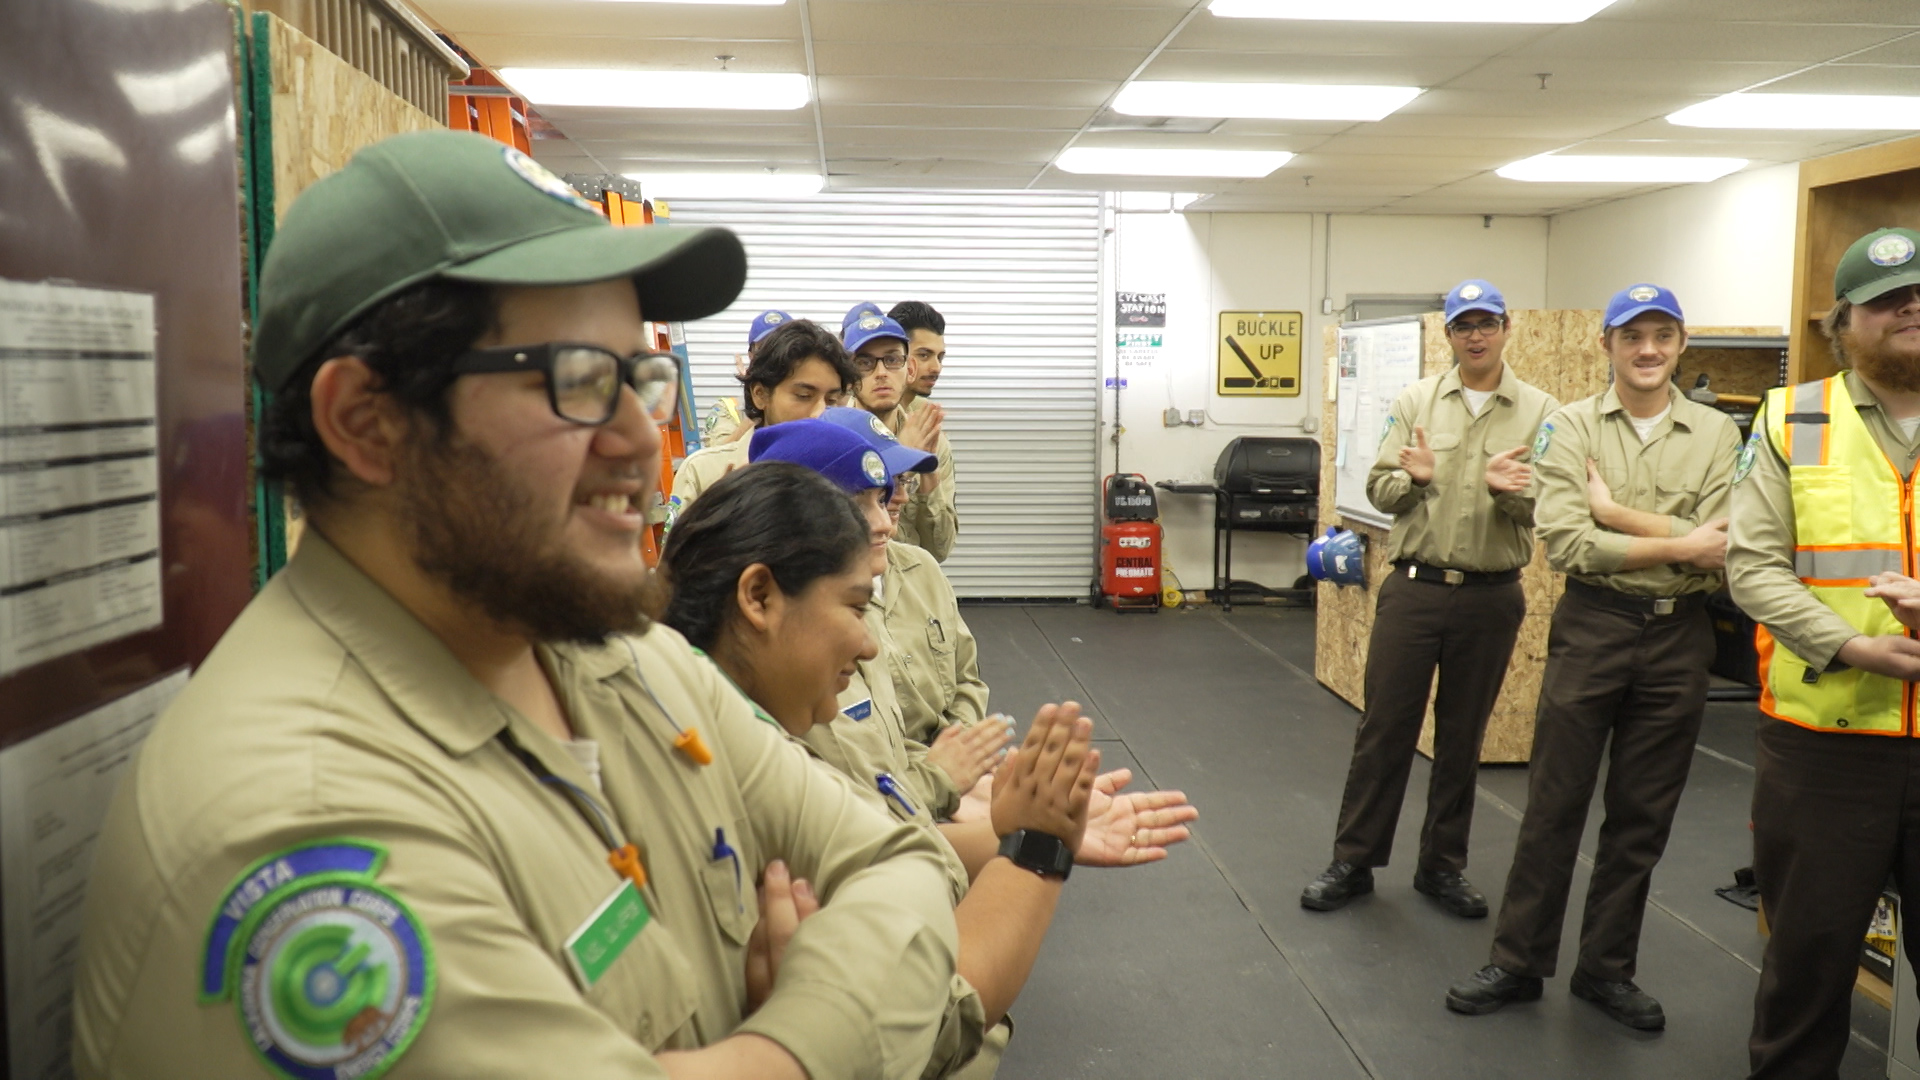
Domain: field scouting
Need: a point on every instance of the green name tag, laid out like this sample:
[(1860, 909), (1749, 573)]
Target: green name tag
[(594, 947)]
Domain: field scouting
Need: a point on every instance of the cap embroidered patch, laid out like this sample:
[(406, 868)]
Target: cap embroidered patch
[(772, 318), (541, 177), (880, 428), (871, 322), (1470, 292), (871, 465), (1893, 250), (1542, 440), (332, 973), (1642, 293), (1745, 465)]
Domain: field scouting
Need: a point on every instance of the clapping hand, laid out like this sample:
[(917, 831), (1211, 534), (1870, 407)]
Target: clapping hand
[(1418, 459), (1130, 829)]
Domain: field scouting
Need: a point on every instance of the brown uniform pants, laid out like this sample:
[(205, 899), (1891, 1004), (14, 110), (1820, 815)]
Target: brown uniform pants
[(1467, 631), (1833, 815), (1640, 679)]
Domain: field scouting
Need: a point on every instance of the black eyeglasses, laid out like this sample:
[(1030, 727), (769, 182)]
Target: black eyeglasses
[(1487, 328), (893, 360), (584, 381)]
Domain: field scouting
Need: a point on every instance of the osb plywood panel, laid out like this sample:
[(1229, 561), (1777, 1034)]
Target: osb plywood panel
[(324, 111), (1559, 352)]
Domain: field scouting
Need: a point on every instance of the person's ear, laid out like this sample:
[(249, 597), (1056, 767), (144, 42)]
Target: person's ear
[(360, 423), (758, 597), (761, 396)]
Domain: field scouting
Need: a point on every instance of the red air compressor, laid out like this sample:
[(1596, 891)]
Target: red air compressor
[(1129, 544)]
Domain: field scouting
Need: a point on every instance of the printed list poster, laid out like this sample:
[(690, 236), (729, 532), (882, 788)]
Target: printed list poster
[(54, 790), (79, 470)]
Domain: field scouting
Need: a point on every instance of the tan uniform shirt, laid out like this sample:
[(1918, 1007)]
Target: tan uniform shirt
[(930, 520), (928, 783), (704, 467), (934, 661), (1456, 521), (328, 713), (1684, 470), (1760, 538)]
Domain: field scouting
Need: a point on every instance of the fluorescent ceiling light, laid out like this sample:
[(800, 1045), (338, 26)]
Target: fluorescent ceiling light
[(764, 185), (1604, 169), (740, 3), (1804, 112), (1426, 11), (1262, 101), (659, 89), (1107, 161)]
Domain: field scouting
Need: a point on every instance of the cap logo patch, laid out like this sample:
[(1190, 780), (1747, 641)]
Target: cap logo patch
[(876, 471), (772, 318), (1640, 294), (543, 179), (1891, 250), (1470, 292), (880, 428), (871, 322)]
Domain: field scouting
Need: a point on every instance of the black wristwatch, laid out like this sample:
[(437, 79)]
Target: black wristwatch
[(1042, 853)]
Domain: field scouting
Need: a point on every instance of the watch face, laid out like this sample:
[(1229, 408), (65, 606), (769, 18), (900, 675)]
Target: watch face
[(1039, 852)]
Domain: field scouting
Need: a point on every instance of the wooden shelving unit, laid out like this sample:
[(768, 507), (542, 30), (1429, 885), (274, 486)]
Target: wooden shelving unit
[(1842, 198)]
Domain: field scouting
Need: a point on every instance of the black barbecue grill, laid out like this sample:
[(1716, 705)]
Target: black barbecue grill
[(1262, 484)]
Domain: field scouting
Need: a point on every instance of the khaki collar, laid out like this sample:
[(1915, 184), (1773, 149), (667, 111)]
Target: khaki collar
[(1857, 389), (1508, 390), (902, 559), (1610, 404), (410, 665)]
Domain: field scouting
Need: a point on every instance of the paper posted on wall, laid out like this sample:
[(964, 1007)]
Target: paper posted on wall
[(54, 790)]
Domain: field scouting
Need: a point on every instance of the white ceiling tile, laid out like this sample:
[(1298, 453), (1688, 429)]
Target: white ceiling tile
[(1849, 79), (968, 117), (873, 90), (945, 142), (1808, 12), (1691, 41), (461, 17), (576, 51), (942, 61), (888, 23), (1618, 75), (1285, 36), (1225, 66)]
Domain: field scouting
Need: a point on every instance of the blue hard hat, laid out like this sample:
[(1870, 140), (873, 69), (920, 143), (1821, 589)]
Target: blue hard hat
[(898, 457), (1339, 557), (833, 451), (1475, 294), (1636, 300)]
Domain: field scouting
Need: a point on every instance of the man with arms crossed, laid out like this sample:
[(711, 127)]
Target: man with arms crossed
[(1631, 485), (1452, 471), (1821, 554)]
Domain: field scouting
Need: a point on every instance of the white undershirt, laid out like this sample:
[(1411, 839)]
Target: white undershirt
[(1643, 426), (1476, 399), (1909, 425), (587, 753)]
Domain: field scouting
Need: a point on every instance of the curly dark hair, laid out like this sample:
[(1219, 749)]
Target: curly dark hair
[(783, 350), (410, 341), (784, 516), (918, 315)]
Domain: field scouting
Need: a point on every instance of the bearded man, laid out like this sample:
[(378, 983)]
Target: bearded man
[(1821, 554)]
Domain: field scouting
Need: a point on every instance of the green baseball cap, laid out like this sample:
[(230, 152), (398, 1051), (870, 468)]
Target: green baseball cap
[(1877, 264), (453, 204)]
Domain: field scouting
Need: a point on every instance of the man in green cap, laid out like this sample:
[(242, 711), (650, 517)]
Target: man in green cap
[(1821, 553), (442, 802)]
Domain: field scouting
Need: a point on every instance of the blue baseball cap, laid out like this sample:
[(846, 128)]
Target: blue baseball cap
[(1636, 300), (1474, 294), (896, 455), (837, 453), (857, 312), (870, 328), (766, 323)]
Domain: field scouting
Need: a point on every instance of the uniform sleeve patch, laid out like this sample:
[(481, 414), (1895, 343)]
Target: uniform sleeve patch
[(1386, 429), (333, 974), (1542, 439), (1747, 455)]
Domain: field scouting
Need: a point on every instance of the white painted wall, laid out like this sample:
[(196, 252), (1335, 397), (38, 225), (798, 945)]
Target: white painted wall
[(1208, 263), (1725, 248)]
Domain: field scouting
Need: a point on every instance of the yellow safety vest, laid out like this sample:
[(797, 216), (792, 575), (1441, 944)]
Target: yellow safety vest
[(1853, 517)]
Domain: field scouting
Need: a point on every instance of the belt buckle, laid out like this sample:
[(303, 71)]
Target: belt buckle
[(1663, 606), (1413, 571), (1453, 577)]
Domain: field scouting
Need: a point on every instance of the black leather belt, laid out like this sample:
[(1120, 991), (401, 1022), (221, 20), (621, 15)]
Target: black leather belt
[(1639, 605), (1440, 575)]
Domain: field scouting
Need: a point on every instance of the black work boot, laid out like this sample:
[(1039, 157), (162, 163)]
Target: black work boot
[(1336, 885), (1454, 892), (1623, 1001), (1490, 988)]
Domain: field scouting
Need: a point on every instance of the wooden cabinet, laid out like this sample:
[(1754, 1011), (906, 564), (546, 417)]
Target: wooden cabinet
[(1842, 198)]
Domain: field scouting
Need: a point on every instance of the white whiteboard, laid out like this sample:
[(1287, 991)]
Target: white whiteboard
[(1377, 359)]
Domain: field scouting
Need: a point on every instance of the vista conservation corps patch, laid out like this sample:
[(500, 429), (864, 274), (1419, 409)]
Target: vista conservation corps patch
[(1747, 454), (332, 974), (1541, 440)]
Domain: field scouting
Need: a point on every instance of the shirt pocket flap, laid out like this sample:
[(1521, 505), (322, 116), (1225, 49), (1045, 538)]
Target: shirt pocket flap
[(736, 904), (649, 989), (1443, 440)]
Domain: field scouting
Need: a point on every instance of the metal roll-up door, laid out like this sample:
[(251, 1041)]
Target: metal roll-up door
[(1017, 276)]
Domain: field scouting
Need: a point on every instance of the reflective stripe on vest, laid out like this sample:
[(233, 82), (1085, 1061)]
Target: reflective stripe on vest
[(1852, 516)]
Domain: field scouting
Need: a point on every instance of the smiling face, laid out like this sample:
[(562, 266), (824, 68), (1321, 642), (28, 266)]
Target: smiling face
[(928, 353), (1478, 339), (1644, 353), (814, 641), (813, 388), (879, 525), (532, 518), (1882, 338)]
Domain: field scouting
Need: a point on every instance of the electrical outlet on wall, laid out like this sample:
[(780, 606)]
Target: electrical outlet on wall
[(1172, 417), (1196, 417)]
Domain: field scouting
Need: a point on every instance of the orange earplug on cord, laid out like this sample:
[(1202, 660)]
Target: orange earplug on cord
[(689, 743)]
